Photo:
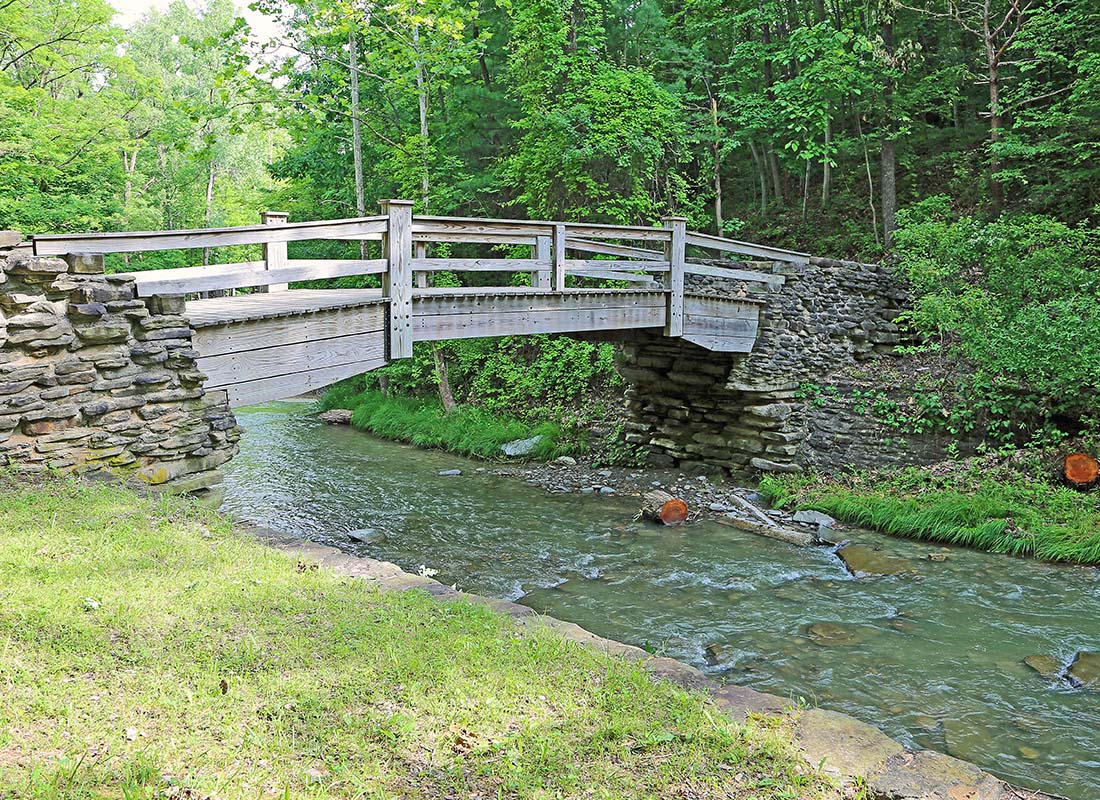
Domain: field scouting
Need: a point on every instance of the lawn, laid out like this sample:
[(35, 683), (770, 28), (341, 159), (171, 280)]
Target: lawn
[(150, 650)]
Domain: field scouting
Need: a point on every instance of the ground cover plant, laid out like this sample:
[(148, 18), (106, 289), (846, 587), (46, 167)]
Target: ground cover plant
[(149, 650), (469, 430), (1004, 505)]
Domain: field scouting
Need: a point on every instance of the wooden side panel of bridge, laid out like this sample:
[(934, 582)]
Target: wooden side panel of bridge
[(264, 342)]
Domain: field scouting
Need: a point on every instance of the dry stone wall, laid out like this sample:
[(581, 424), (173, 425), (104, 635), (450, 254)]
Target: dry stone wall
[(703, 410), (95, 381)]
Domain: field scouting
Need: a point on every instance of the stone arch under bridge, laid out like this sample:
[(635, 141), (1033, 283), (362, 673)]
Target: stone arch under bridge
[(136, 374)]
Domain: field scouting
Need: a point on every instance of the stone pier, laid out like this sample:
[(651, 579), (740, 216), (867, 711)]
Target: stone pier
[(95, 381), (703, 410)]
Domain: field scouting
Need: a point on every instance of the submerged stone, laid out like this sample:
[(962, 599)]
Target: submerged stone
[(1047, 666), (449, 472), (1085, 670), (366, 535), (862, 560), (832, 634)]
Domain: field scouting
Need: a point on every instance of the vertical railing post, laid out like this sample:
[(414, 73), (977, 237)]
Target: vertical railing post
[(397, 283), (421, 275), (274, 252), (675, 254), (557, 279), (541, 279)]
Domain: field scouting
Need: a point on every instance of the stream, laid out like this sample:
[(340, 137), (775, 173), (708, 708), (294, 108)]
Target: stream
[(934, 657)]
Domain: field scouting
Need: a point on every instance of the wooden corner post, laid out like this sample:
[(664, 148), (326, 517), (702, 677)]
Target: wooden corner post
[(397, 283), (675, 253), (274, 252), (557, 280)]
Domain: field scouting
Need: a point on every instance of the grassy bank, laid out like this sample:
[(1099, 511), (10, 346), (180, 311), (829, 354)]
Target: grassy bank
[(468, 430), (149, 650), (1010, 505)]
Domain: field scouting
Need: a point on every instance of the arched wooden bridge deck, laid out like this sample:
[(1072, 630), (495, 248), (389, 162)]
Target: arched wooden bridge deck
[(276, 342)]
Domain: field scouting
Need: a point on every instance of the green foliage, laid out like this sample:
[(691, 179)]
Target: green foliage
[(468, 430), (1013, 507), (529, 377), (1019, 297)]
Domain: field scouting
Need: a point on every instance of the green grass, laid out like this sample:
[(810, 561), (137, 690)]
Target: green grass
[(149, 650), (1013, 506), (468, 430)]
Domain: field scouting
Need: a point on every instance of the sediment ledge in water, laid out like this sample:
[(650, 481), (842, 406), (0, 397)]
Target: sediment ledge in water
[(840, 745)]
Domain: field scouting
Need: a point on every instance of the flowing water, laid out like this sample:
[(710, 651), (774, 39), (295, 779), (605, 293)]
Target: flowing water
[(933, 658)]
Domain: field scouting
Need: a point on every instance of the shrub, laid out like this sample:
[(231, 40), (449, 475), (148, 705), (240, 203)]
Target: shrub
[(1019, 297)]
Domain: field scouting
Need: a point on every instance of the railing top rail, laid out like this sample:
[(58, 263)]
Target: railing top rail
[(424, 228), (724, 245), (141, 241)]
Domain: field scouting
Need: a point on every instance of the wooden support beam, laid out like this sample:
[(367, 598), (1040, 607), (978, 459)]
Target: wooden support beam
[(398, 284), (557, 279), (675, 254), (541, 252), (274, 252)]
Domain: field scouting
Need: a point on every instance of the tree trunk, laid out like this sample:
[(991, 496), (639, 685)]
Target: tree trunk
[(1080, 470), (662, 507), (717, 167), (826, 165), (357, 136), (995, 124), (888, 186), (422, 101), (761, 176), (446, 396)]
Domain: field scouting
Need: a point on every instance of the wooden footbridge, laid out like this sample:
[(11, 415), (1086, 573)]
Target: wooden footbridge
[(261, 340)]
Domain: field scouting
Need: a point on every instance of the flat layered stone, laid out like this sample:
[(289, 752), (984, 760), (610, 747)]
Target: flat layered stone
[(928, 775), (843, 745)]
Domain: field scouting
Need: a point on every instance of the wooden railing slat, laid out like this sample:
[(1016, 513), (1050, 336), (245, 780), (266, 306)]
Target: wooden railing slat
[(747, 248), (145, 241), (187, 280)]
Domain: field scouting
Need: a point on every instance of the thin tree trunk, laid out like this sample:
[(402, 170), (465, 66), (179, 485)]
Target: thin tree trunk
[(761, 176), (357, 136), (717, 166), (888, 186), (210, 170), (422, 102), (777, 179), (870, 182), (889, 191), (826, 165), (446, 397), (806, 189)]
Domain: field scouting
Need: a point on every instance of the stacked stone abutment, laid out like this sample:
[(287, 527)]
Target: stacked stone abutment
[(95, 381), (703, 410)]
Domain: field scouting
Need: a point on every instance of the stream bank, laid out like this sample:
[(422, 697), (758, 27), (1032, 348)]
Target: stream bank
[(934, 655)]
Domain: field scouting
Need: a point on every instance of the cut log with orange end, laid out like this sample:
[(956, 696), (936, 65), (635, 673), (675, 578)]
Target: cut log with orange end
[(1081, 470), (662, 507)]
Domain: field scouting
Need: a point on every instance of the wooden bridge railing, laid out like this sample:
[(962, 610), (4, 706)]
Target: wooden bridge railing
[(655, 258)]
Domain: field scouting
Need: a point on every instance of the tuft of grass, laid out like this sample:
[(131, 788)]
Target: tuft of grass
[(149, 650), (468, 430), (1011, 506)]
